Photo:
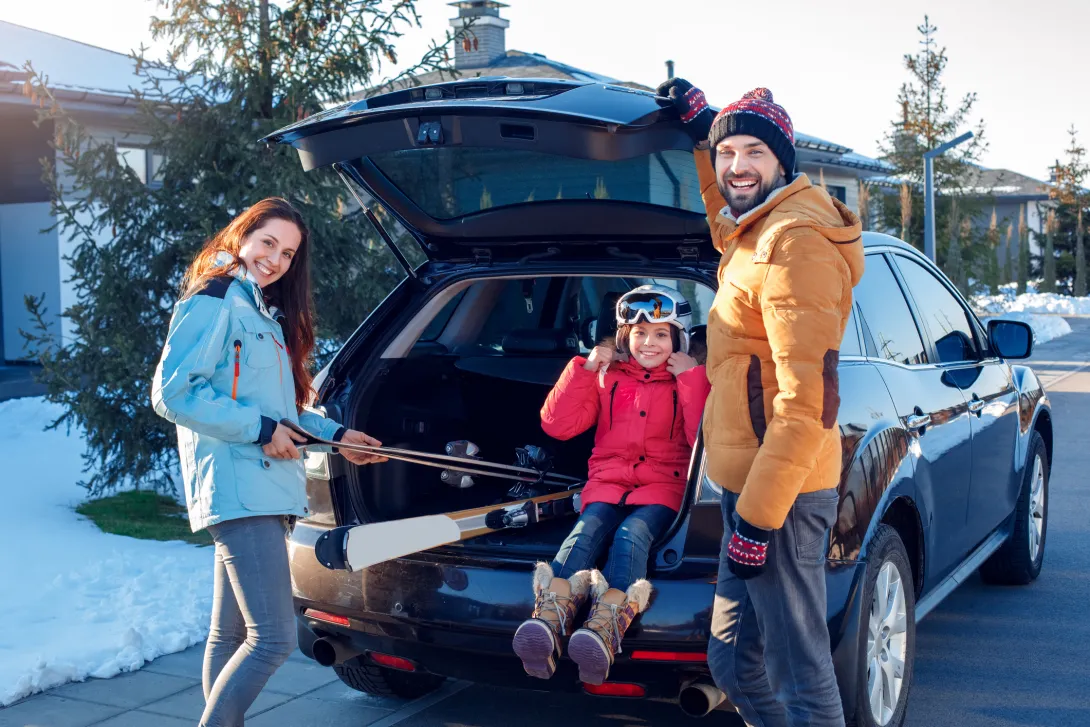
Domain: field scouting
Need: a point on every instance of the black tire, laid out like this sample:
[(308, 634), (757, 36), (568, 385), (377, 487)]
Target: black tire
[(1012, 564), (886, 547), (363, 676)]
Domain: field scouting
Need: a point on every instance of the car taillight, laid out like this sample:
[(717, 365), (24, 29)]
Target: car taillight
[(615, 689), (687, 656), (393, 662), (327, 617)]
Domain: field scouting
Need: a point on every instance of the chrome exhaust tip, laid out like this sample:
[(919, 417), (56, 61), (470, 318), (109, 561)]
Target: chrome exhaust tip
[(328, 652), (699, 698)]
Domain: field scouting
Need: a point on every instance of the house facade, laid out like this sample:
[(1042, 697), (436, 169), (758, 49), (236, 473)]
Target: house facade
[(93, 85)]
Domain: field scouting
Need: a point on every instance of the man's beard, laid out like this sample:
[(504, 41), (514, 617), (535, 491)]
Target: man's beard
[(741, 202)]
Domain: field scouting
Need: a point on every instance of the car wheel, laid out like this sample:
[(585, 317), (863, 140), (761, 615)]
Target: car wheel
[(889, 649), (1020, 559), (364, 676)]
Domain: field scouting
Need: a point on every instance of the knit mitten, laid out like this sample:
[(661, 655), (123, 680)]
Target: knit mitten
[(748, 550), (691, 106)]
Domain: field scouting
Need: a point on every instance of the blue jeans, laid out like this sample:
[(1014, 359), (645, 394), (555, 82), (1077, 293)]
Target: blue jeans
[(253, 618), (633, 530), (769, 649)]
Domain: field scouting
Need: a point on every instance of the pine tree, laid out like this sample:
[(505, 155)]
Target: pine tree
[(1071, 200), (927, 121), (1023, 251), (235, 71), (1048, 257)]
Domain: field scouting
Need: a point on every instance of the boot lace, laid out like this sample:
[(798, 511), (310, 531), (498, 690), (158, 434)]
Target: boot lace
[(606, 622), (551, 601)]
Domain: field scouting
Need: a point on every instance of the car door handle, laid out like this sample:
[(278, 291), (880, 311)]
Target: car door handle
[(919, 421), (976, 405)]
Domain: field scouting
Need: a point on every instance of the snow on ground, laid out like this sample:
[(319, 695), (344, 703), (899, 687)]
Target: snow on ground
[(1042, 311), (1032, 302), (78, 602)]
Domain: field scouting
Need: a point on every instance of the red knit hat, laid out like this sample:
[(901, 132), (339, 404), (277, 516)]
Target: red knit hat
[(755, 114)]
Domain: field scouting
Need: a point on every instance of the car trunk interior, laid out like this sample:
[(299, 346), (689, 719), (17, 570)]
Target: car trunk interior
[(476, 363)]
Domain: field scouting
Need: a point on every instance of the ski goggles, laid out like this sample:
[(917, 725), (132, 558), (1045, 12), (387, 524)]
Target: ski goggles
[(653, 307)]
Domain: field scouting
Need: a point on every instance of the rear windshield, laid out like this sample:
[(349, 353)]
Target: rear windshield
[(448, 182)]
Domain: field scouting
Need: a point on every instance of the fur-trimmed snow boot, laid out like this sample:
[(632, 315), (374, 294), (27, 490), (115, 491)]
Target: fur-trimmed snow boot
[(612, 611), (557, 600)]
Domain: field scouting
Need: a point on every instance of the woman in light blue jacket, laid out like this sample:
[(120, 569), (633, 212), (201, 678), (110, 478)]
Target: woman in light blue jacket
[(235, 364)]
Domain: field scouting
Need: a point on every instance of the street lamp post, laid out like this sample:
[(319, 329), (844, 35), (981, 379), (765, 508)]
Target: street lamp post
[(929, 193)]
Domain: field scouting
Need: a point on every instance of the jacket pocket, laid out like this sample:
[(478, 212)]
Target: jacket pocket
[(265, 484), (258, 344), (812, 518)]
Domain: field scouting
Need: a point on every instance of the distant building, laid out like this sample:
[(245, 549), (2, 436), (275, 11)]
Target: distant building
[(484, 53), (93, 85)]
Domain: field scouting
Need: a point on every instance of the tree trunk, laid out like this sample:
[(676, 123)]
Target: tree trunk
[(906, 213), (953, 254), (1008, 262), (1023, 251), (1080, 258), (264, 51), (1048, 285)]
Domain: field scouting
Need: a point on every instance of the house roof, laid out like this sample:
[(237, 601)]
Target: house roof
[(1005, 183), (76, 72)]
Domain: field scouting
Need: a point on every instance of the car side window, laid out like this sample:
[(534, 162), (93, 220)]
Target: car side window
[(850, 345), (941, 312), (887, 315)]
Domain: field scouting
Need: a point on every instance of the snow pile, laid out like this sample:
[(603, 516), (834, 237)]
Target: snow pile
[(78, 602), (1045, 328), (1032, 302)]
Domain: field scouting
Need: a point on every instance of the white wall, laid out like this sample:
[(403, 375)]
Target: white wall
[(29, 265)]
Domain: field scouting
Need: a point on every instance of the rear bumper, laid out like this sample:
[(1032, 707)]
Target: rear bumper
[(456, 617)]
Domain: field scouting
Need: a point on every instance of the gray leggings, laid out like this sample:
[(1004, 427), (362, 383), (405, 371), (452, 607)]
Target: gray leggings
[(253, 621)]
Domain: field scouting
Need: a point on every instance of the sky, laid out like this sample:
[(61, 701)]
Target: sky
[(835, 66)]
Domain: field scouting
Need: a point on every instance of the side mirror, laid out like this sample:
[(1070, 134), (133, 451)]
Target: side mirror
[(1010, 339)]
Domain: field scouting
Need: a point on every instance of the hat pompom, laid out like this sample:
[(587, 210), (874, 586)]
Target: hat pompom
[(760, 93)]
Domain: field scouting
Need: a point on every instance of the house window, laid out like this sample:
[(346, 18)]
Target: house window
[(837, 192), (145, 163)]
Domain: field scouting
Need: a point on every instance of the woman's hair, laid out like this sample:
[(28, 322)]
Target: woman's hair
[(291, 293), (625, 329)]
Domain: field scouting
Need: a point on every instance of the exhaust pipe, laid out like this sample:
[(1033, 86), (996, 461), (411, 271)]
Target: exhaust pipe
[(700, 697), (329, 652)]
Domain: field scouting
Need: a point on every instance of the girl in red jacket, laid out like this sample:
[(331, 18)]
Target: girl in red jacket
[(647, 398)]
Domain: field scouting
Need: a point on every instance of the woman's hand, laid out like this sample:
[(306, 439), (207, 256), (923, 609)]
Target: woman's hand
[(601, 356), (679, 363), (282, 444), (354, 437)]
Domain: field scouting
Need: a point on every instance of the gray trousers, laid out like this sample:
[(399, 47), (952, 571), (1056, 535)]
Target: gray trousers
[(253, 620), (769, 649)]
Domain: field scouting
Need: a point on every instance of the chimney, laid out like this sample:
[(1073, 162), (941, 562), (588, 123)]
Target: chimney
[(669, 70), (484, 41)]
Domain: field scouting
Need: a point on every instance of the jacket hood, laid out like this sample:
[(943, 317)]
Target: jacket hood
[(801, 204)]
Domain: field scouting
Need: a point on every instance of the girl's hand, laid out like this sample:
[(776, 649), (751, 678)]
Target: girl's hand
[(599, 357), (354, 437), (679, 363), (282, 444)]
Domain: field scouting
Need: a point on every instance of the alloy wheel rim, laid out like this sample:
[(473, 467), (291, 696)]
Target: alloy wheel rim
[(1036, 509), (887, 644)]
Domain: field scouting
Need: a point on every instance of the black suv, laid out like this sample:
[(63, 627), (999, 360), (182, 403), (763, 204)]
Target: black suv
[(534, 203)]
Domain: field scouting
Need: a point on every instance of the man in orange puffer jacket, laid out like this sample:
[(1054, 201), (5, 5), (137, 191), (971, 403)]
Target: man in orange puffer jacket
[(790, 257)]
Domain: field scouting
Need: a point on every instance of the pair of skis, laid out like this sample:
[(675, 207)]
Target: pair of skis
[(354, 547)]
